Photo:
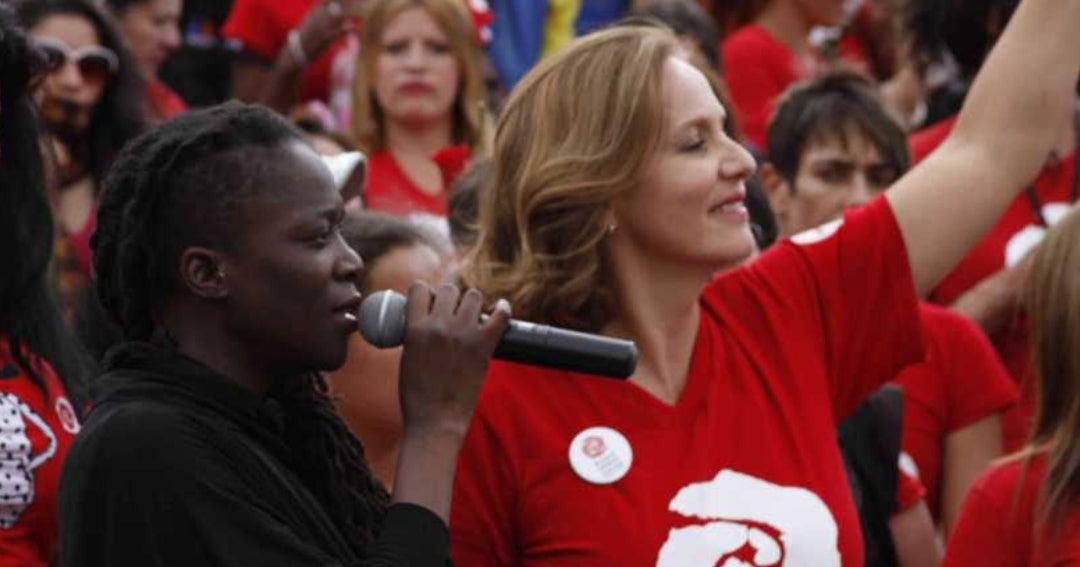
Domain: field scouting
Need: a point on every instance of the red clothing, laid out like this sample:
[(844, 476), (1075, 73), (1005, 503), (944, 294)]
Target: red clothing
[(1016, 232), (909, 491), (746, 460), (961, 382), (263, 26), (164, 103), (997, 525), (758, 68), (35, 433), (389, 190)]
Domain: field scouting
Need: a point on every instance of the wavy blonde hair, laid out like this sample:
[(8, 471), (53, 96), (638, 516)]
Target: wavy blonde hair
[(1053, 301), (470, 114), (576, 133)]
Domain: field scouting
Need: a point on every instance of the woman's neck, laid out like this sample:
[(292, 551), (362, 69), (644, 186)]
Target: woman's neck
[(413, 149), (420, 141), (662, 314), (783, 20)]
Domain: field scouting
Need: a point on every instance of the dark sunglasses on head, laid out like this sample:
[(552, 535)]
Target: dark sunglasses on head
[(96, 64)]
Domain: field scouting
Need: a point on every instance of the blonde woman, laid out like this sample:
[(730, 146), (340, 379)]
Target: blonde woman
[(418, 90), (1026, 510), (614, 200)]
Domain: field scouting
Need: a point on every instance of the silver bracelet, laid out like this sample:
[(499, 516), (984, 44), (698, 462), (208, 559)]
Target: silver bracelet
[(296, 49)]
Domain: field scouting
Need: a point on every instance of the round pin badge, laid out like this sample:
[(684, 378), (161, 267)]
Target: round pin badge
[(66, 413), (601, 455)]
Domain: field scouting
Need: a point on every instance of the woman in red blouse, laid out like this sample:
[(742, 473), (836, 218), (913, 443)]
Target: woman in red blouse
[(418, 90), (1026, 511), (615, 198)]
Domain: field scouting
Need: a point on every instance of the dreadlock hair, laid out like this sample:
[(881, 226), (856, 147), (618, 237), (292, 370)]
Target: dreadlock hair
[(179, 186), (30, 318), (119, 116)]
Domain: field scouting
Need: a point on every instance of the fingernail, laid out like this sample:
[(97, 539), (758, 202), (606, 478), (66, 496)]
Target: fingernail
[(503, 305)]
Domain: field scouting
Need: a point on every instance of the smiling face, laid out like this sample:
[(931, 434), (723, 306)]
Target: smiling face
[(833, 176), (293, 279), (417, 75), (151, 30), (689, 207)]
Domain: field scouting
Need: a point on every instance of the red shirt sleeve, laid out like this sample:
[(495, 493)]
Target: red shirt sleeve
[(977, 384), (260, 28), (858, 286), (909, 491)]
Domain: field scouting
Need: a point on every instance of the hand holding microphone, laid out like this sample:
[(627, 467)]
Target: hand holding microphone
[(383, 322), (447, 349)]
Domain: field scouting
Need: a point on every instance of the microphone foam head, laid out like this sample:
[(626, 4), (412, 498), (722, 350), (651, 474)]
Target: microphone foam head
[(382, 319)]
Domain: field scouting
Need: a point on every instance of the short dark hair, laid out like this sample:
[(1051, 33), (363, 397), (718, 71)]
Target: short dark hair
[(832, 107), (372, 235), (175, 187)]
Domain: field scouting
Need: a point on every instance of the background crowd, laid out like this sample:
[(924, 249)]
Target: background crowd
[(793, 392)]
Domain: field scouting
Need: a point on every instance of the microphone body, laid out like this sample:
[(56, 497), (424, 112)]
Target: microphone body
[(382, 323)]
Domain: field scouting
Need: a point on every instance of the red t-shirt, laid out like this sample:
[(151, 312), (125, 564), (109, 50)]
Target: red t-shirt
[(389, 190), (745, 465), (961, 382), (758, 68), (35, 432), (997, 525), (263, 26), (164, 103), (1016, 232)]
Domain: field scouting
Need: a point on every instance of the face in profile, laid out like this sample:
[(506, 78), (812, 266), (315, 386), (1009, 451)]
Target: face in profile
[(417, 75), (81, 71), (151, 30), (689, 208), (834, 175), (292, 278)]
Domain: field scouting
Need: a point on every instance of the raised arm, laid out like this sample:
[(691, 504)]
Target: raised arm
[(1006, 129)]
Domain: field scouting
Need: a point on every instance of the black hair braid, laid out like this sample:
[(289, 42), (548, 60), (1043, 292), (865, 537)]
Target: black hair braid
[(165, 192), (330, 458)]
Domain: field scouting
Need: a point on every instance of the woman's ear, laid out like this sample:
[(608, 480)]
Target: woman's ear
[(778, 190), (203, 273)]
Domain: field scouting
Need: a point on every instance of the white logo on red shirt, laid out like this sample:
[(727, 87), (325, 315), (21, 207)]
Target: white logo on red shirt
[(17, 458), (751, 523)]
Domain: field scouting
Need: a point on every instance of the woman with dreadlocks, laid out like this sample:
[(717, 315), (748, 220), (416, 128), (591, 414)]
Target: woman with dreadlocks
[(212, 440), (38, 363)]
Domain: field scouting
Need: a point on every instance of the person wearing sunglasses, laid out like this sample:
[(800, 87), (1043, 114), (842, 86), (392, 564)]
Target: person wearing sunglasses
[(91, 104)]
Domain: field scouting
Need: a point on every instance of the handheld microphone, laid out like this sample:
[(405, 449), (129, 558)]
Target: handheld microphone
[(382, 323)]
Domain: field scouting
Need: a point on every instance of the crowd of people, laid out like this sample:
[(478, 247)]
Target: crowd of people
[(841, 235)]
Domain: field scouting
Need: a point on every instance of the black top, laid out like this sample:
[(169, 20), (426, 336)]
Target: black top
[(177, 465)]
